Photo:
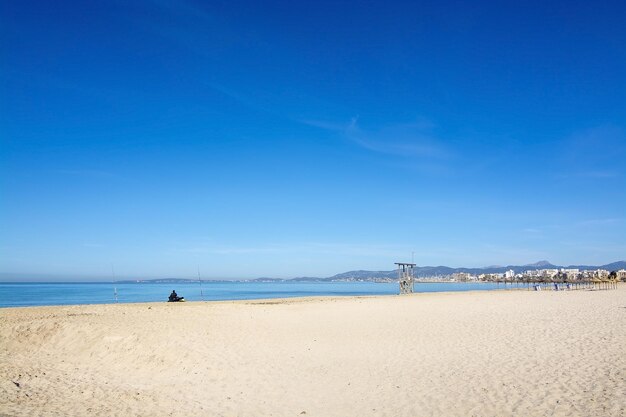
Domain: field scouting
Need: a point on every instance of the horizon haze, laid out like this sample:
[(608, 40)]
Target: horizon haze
[(55, 278)]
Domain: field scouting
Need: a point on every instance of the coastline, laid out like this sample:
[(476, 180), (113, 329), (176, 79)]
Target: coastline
[(269, 300), (445, 353), (33, 294)]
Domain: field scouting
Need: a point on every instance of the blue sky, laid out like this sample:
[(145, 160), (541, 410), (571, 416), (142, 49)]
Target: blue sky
[(309, 138)]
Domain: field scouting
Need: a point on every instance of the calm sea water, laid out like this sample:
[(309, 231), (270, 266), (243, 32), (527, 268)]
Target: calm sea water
[(38, 294)]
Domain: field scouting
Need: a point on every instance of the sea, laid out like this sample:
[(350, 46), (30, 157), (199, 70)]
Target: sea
[(73, 293)]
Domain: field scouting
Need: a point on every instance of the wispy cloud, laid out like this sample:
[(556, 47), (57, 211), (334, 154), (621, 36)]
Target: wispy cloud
[(415, 139), (326, 125), (347, 249), (86, 173)]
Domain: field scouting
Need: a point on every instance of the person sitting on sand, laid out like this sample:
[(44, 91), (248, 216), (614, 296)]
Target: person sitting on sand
[(174, 296)]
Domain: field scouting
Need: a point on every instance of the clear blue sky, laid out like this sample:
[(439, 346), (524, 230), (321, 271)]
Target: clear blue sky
[(309, 138)]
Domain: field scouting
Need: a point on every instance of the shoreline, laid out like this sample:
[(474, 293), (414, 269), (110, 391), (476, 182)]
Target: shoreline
[(79, 296), (297, 297)]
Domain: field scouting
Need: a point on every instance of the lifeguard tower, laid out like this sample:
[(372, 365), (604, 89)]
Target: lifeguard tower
[(405, 277)]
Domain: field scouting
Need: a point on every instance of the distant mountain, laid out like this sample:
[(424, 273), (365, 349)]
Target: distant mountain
[(419, 271), (541, 264), (363, 274), (166, 281), (308, 279), (614, 266), (266, 279), (433, 271)]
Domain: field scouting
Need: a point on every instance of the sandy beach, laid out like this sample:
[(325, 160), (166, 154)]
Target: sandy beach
[(499, 353)]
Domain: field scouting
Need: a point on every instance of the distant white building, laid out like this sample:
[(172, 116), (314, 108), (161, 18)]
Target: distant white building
[(489, 277), (572, 273), (601, 273), (549, 273), (463, 276)]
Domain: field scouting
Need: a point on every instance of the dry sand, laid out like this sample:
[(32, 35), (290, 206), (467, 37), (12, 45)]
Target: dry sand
[(448, 354)]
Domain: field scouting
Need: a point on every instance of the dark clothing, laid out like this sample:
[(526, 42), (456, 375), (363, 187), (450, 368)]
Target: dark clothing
[(174, 297)]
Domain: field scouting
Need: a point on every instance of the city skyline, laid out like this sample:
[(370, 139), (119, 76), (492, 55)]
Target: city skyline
[(309, 138)]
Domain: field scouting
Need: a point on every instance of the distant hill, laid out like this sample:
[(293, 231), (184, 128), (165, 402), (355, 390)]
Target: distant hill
[(420, 272), (364, 274), (433, 271), (541, 264), (615, 266)]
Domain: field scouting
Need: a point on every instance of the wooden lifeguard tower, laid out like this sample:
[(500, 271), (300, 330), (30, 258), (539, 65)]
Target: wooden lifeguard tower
[(405, 277)]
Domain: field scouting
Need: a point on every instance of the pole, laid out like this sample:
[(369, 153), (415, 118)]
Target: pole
[(114, 287), (200, 282)]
